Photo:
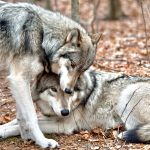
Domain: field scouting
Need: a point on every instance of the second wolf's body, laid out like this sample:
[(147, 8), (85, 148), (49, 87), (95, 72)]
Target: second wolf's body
[(101, 99)]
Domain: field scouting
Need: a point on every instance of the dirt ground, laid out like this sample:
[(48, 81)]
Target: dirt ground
[(122, 49)]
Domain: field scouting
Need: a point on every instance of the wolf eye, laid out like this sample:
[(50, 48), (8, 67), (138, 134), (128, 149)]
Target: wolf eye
[(65, 56), (77, 89), (78, 45), (53, 89), (75, 45)]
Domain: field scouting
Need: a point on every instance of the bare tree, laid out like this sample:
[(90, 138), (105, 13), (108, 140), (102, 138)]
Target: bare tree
[(115, 10), (94, 19), (75, 10), (31, 1), (48, 4)]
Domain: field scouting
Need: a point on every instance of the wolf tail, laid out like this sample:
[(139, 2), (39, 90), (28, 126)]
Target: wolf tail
[(140, 134)]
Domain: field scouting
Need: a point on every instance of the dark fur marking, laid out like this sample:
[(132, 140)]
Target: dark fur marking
[(5, 34), (31, 28), (134, 79), (27, 40), (121, 77), (4, 26), (132, 136)]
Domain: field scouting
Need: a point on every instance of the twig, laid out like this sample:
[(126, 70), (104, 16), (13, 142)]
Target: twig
[(56, 5), (148, 11), (105, 67), (141, 4)]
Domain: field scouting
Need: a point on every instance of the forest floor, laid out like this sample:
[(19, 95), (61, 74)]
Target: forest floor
[(121, 49)]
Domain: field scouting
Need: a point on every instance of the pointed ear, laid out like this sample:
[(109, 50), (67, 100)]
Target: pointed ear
[(95, 38), (73, 36)]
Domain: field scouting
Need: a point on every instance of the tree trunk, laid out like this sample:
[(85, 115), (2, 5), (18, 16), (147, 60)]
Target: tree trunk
[(75, 10), (48, 4), (31, 1), (115, 11)]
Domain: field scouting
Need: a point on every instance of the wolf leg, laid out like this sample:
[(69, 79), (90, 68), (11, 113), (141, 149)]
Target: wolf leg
[(13, 122), (53, 125), (9, 131), (20, 76), (47, 125)]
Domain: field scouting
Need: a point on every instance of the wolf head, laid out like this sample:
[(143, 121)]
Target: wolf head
[(47, 89), (73, 57)]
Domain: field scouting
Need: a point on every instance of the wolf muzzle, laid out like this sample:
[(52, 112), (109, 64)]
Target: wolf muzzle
[(65, 112), (68, 91)]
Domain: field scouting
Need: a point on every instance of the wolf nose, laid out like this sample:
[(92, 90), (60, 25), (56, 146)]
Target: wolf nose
[(68, 91), (65, 112)]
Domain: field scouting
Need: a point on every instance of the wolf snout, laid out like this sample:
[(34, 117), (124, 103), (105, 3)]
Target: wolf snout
[(68, 91), (65, 112)]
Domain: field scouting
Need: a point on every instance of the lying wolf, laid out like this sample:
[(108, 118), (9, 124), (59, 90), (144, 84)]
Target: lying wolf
[(32, 40), (101, 99)]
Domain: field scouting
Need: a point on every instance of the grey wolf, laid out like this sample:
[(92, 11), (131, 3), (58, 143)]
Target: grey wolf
[(100, 99), (32, 40)]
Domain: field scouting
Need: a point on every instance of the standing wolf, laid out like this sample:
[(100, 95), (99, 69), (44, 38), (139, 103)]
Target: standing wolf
[(31, 40), (101, 99)]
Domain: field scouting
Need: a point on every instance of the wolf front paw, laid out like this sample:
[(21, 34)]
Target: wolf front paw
[(9, 131), (48, 143)]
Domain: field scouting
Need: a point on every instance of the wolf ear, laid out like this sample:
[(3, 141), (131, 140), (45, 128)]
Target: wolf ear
[(95, 38), (73, 36)]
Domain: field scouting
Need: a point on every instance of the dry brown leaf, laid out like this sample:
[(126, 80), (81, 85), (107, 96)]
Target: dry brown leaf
[(96, 130), (7, 118), (86, 136)]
